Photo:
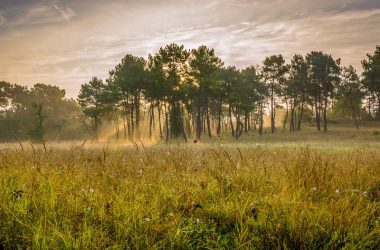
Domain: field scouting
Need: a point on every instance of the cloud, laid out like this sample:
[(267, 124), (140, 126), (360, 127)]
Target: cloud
[(65, 12), (40, 13), (243, 33)]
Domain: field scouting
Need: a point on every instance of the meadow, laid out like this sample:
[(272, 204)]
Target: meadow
[(304, 191)]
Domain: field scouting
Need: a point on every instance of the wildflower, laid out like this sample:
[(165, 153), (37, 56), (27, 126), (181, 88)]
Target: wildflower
[(141, 159), (198, 221), (314, 189), (140, 171), (91, 190), (146, 219), (337, 191)]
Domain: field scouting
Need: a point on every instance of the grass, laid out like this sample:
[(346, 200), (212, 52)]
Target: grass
[(217, 195)]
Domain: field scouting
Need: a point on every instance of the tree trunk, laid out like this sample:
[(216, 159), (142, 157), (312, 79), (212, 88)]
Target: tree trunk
[(117, 126), (219, 127), (231, 123), (301, 114), (369, 105), (272, 112), (124, 123), (261, 119), (354, 113), (208, 122), (286, 114), (137, 110), (292, 122), (132, 119), (378, 107), (159, 118), (325, 115), (182, 124), (198, 123), (151, 117), (166, 110), (317, 114), (237, 117)]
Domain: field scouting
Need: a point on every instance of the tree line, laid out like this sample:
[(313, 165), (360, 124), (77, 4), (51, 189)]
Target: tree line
[(184, 92), (38, 113), (180, 93)]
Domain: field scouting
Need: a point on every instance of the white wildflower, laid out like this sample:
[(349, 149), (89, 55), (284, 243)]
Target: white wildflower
[(146, 219), (337, 191), (314, 189)]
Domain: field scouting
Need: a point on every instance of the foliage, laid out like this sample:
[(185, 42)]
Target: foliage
[(371, 78), (41, 112)]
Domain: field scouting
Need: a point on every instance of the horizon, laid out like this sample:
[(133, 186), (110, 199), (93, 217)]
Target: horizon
[(65, 43)]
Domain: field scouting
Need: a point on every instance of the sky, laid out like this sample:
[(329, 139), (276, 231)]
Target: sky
[(66, 42)]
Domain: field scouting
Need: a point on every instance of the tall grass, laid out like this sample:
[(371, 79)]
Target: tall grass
[(182, 197)]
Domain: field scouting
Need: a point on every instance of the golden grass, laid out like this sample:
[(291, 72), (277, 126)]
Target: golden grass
[(191, 196)]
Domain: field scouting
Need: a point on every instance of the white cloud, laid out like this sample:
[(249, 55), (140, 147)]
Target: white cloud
[(41, 13)]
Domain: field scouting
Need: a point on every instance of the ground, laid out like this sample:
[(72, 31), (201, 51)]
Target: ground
[(305, 190)]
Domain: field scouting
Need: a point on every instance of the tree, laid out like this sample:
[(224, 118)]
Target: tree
[(171, 67), (229, 78), (296, 89), (127, 82), (261, 90), (204, 65), (371, 78), (51, 110), (250, 94), (92, 98), (39, 113), (323, 76), (4, 94), (274, 69), (350, 92), (38, 132)]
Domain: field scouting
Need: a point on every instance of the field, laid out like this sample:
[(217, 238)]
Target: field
[(304, 191)]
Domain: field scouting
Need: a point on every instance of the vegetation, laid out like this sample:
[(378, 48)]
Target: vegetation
[(40, 113), (179, 93), (270, 189), (192, 92), (180, 196)]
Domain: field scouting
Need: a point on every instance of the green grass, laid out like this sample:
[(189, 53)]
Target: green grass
[(262, 193)]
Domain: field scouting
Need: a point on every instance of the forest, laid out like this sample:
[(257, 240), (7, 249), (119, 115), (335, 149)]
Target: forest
[(180, 94)]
